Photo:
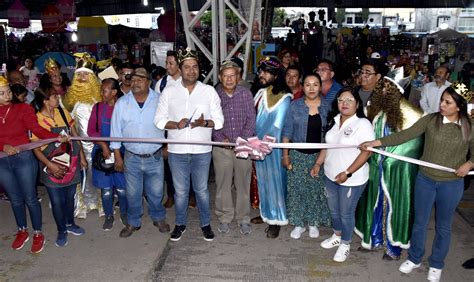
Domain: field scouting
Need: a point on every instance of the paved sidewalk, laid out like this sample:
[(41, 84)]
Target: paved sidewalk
[(149, 255)]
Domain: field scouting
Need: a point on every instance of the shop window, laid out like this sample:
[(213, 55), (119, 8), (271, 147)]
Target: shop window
[(466, 24), (469, 11), (349, 20), (358, 20)]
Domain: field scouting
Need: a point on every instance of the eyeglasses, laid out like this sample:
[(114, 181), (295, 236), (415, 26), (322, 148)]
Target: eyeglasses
[(366, 73), (345, 100)]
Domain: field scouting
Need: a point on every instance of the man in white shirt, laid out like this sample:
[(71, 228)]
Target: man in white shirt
[(172, 70), (189, 110), (431, 92), (173, 76)]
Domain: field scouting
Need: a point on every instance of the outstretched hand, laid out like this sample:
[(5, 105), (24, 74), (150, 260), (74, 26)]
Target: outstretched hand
[(365, 145)]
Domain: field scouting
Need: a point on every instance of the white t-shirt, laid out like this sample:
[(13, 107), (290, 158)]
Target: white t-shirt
[(177, 103), (354, 131)]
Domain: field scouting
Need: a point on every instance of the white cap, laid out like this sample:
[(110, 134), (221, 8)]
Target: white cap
[(375, 55)]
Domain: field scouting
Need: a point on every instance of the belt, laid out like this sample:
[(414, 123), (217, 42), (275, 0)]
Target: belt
[(146, 155)]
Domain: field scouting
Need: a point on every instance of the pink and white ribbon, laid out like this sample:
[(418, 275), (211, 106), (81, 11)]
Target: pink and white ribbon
[(252, 147)]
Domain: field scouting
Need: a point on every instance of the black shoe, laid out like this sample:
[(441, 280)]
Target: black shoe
[(177, 232), (128, 230), (257, 220), (468, 264), (162, 226), (108, 223), (207, 233), (273, 231)]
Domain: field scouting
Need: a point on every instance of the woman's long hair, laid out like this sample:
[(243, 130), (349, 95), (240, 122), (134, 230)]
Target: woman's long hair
[(335, 110), (465, 120)]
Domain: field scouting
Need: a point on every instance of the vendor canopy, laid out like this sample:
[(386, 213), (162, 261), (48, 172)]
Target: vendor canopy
[(447, 34), (92, 30)]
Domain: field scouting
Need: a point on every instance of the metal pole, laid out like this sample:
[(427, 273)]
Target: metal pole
[(6, 43)]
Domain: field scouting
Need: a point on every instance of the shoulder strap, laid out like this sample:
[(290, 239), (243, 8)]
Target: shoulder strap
[(164, 80), (97, 117), (61, 111)]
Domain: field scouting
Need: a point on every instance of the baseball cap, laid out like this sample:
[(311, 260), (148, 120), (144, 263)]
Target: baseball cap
[(142, 72), (375, 55), (228, 64)]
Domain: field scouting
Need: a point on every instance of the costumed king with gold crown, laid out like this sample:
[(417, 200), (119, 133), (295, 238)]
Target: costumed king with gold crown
[(79, 100), (384, 215), (272, 103)]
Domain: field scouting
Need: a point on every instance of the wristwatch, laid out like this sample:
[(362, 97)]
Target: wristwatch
[(348, 174), (207, 123)]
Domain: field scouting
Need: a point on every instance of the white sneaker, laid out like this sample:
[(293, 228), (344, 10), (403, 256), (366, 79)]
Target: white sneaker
[(331, 242), (342, 252), (297, 231), (313, 232), (434, 274), (408, 266)]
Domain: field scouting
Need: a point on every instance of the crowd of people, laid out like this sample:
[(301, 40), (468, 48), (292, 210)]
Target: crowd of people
[(386, 201)]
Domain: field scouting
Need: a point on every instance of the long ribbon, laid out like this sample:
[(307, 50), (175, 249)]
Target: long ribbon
[(253, 147)]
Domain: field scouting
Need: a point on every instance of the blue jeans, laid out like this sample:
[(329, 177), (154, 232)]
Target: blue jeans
[(18, 178), (62, 203), (195, 168), (445, 195), (108, 200), (343, 207), (144, 175)]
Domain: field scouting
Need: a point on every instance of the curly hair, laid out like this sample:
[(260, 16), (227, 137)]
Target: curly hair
[(386, 98)]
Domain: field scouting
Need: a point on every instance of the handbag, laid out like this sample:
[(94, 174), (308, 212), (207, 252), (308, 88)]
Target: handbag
[(63, 155), (98, 160)]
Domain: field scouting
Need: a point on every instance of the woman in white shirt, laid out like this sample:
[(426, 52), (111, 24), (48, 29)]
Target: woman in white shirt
[(346, 171)]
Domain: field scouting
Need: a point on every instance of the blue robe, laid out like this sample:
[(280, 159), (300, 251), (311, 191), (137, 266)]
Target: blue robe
[(271, 175)]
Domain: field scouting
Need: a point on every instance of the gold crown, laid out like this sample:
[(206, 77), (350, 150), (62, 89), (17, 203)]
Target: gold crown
[(103, 64), (462, 90), (186, 54), (3, 81), (51, 66), (84, 62)]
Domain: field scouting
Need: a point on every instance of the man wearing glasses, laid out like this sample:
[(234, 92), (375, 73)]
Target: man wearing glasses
[(330, 87), (370, 73)]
